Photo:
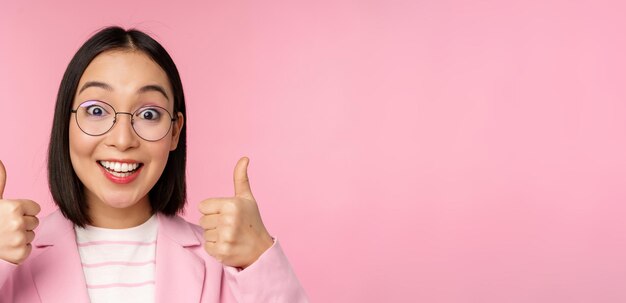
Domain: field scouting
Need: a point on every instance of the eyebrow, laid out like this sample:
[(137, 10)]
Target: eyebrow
[(147, 88)]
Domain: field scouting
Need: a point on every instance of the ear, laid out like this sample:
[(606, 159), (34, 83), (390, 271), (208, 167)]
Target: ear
[(176, 129)]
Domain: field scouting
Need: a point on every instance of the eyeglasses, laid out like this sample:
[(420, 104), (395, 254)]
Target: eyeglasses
[(96, 118)]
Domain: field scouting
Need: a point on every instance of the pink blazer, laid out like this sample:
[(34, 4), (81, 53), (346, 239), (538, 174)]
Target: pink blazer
[(184, 271)]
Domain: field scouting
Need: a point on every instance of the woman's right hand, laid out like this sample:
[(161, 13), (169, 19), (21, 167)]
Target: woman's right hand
[(17, 222)]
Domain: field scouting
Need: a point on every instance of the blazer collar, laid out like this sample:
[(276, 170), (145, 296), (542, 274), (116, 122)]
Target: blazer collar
[(177, 230), (58, 274), (53, 229), (180, 273), (56, 267)]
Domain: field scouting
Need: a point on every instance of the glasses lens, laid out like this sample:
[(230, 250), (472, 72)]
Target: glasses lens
[(94, 117), (152, 123)]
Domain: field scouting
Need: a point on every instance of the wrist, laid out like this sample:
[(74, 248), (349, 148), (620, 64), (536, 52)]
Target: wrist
[(262, 246)]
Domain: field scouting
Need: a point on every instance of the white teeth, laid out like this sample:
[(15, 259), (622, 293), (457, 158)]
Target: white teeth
[(119, 167), (121, 175)]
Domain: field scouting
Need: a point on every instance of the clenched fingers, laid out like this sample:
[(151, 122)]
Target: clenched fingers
[(210, 221), (211, 235), (30, 222)]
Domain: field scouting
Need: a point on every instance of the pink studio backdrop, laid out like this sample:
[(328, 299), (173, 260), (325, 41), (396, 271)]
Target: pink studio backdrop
[(402, 151)]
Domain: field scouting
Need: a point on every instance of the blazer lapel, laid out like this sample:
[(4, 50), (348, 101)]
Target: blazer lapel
[(179, 272), (57, 271), (58, 274)]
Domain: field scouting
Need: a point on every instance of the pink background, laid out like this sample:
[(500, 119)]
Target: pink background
[(402, 151)]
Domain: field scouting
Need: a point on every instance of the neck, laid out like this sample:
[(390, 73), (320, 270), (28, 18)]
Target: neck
[(104, 216)]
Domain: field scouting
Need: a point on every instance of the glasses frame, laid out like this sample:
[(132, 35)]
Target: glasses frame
[(132, 120)]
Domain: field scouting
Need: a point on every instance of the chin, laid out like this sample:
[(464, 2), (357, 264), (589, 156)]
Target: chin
[(120, 201), (120, 204)]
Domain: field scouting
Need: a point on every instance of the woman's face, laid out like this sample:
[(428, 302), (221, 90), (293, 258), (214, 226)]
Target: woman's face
[(127, 80)]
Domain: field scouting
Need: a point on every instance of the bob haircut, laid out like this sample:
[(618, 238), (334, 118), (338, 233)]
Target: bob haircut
[(169, 194)]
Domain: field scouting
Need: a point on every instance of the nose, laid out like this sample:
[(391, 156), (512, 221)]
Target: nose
[(122, 136)]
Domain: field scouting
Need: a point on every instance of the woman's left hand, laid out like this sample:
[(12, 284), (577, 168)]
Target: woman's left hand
[(234, 233)]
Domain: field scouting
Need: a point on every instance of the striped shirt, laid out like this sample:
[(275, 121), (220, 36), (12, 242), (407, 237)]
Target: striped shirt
[(119, 263)]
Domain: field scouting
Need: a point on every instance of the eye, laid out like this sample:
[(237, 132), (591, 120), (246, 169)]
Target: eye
[(96, 110), (150, 114)]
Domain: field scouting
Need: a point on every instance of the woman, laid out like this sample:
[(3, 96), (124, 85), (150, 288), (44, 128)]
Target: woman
[(116, 170)]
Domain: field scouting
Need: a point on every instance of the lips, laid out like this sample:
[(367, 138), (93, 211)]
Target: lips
[(120, 171)]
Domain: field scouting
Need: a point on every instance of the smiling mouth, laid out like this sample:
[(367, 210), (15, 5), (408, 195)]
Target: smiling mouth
[(119, 169)]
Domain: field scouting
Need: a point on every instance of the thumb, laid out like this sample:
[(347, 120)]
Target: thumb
[(3, 178), (242, 184)]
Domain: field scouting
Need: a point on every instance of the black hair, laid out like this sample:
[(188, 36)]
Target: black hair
[(169, 194)]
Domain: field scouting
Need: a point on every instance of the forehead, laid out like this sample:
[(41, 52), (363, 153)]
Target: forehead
[(125, 71)]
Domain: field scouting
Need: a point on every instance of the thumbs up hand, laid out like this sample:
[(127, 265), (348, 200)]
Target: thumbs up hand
[(234, 233), (17, 222)]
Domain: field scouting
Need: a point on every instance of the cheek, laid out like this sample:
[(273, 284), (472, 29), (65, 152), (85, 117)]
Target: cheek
[(81, 146), (160, 153)]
